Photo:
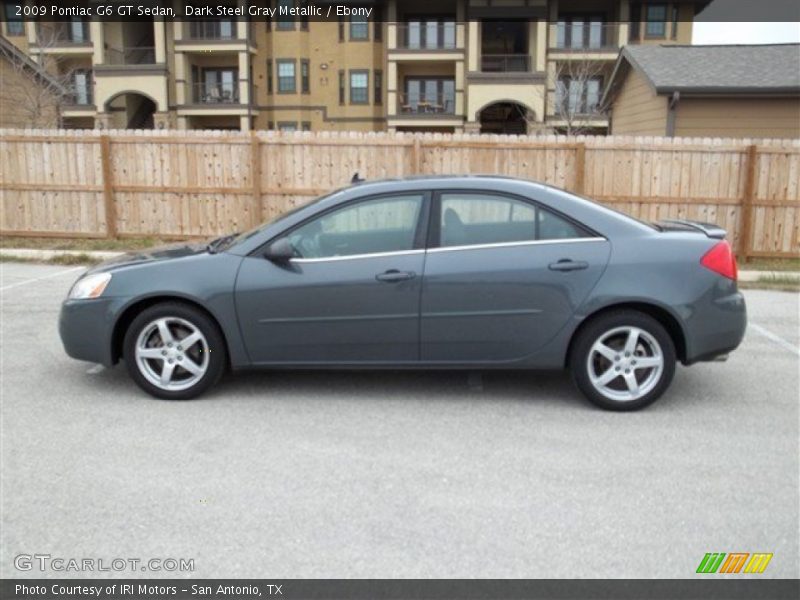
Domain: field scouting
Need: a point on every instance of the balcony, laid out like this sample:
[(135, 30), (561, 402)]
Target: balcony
[(433, 35), (63, 38), (211, 31), (429, 105), (584, 37), (505, 63), (135, 55), (215, 94)]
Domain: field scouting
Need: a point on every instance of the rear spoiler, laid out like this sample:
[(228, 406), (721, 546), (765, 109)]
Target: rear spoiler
[(711, 230)]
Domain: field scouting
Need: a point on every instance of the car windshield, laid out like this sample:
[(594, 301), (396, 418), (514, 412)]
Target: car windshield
[(235, 239)]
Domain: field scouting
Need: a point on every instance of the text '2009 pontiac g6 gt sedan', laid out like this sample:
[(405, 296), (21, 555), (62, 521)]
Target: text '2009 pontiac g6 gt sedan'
[(444, 272)]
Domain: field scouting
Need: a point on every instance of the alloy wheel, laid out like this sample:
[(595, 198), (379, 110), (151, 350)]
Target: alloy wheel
[(625, 363), (172, 353)]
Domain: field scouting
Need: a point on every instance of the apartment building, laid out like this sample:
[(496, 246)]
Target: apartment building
[(509, 66)]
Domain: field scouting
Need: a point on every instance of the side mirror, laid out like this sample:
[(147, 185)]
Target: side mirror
[(280, 251)]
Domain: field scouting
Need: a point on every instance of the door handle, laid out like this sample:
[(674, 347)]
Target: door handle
[(393, 276), (566, 264)]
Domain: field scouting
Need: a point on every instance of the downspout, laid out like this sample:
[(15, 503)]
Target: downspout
[(671, 110)]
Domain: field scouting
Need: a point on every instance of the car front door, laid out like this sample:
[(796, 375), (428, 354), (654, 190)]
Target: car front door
[(350, 295), (502, 276)]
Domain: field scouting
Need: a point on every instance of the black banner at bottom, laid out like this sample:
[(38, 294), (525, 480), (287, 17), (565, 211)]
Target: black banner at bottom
[(399, 589)]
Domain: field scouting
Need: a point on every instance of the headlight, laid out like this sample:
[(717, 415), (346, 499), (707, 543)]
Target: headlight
[(90, 286)]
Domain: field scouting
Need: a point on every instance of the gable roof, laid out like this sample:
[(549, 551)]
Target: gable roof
[(734, 69)]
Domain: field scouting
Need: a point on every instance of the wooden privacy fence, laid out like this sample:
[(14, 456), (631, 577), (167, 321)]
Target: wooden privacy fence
[(190, 184)]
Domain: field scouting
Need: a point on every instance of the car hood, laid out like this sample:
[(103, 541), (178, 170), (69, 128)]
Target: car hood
[(150, 255)]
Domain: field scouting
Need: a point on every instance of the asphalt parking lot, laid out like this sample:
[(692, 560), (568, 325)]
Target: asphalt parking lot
[(316, 475)]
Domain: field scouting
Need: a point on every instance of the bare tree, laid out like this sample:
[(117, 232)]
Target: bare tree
[(576, 105), (38, 91)]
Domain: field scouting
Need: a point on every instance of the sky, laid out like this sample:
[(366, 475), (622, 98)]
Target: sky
[(745, 33)]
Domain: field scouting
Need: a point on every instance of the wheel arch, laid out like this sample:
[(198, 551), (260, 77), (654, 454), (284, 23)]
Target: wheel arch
[(665, 318), (131, 311)]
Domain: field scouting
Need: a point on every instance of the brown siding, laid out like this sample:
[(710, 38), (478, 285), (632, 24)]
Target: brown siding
[(739, 117), (637, 110)]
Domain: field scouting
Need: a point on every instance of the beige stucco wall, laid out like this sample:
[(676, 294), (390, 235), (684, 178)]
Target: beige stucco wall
[(739, 117), (637, 110), (483, 94)]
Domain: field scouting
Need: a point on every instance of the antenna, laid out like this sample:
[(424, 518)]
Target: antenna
[(356, 178)]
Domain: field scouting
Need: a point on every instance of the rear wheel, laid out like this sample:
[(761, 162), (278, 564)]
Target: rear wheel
[(623, 360), (174, 351)]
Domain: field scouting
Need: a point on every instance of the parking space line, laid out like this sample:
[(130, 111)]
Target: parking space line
[(35, 279), (776, 338)]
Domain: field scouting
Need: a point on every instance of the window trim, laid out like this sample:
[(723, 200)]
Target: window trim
[(350, 74), (435, 230), (305, 78), (647, 21), (421, 231), (377, 87), (293, 62)]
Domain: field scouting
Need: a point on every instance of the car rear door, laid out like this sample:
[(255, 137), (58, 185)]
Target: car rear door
[(502, 276), (351, 296)]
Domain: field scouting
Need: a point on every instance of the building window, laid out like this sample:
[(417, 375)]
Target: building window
[(286, 77), (306, 125), (14, 24), (359, 87), (269, 76), (428, 35), (359, 28), (288, 126), (217, 86), (582, 32), (656, 17), (341, 87), (81, 87), (425, 95), (305, 80), (378, 87), (285, 22), (578, 96)]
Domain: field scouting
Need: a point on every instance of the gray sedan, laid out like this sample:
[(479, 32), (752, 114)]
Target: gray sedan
[(442, 273)]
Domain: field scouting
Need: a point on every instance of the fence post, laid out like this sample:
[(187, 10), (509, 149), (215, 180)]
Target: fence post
[(416, 157), (580, 168), (255, 174), (108, 187), (745, 241)]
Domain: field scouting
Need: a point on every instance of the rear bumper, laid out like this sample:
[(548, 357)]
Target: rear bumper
[(716, 327), (85, 328)]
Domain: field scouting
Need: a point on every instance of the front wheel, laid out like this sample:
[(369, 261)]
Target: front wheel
[(174, 351), (623, 360)]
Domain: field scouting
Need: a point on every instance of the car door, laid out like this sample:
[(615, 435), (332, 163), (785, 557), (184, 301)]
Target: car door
[(502, 276), (351, 294)]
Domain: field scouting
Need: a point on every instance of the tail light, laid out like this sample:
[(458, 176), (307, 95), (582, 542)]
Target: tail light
[(721, 260)]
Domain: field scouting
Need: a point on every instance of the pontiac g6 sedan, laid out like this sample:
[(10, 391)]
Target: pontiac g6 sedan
[(424, 273)]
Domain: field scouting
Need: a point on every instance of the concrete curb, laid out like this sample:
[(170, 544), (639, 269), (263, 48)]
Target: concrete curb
[(34, 254)]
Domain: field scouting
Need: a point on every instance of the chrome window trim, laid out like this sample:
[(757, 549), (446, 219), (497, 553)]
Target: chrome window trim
[(513, 244), (357, 256)]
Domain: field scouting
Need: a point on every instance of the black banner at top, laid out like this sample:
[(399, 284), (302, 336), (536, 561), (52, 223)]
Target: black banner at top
[(371, 10)]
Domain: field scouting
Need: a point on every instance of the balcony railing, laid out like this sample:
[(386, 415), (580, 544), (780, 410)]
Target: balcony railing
[(61, 34), (433, 35), (80, 95), (585, 35), (505, 63), (215, 93), (439, 104), (135, 55)]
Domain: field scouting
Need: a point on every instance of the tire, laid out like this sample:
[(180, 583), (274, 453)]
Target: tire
[(191, 369), (609, 374)]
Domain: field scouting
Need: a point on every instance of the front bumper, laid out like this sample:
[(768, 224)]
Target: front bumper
[(86, 327)]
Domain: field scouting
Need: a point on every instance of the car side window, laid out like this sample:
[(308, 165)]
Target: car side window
[(471, 219), (386, 224)]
